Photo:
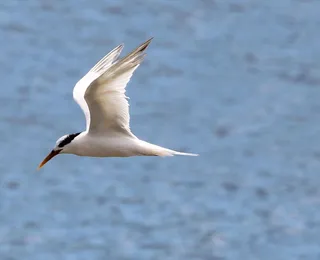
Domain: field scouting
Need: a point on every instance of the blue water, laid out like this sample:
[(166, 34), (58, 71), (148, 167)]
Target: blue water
[(236, 81)]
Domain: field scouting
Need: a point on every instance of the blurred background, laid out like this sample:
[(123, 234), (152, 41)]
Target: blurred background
[(235, 81)]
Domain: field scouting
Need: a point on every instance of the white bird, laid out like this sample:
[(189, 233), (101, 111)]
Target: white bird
[(101, 96)]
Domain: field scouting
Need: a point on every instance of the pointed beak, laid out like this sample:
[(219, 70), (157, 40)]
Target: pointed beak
[(52, 154)]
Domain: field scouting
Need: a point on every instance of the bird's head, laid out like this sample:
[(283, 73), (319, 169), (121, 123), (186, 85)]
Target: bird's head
[(61, 146)]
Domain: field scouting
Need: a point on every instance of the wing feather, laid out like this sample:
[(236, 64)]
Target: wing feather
[(102, 91), (107, 60), (98, 69)]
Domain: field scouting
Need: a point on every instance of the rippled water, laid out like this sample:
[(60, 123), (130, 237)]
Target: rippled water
[(236, 81)]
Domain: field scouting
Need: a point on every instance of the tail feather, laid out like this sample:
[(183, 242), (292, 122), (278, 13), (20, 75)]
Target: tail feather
[(185, 154), (148, 149)]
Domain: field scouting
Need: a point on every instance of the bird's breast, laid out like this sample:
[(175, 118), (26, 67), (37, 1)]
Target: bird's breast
[(106, 147)]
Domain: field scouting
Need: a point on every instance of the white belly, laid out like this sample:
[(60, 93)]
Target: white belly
[(95, 146)]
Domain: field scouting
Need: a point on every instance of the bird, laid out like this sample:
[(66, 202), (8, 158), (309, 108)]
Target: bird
[(101, 96)]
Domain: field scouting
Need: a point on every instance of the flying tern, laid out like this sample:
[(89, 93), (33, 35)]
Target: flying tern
[(101, 96)]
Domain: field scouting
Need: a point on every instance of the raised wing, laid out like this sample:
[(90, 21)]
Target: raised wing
[(101, 67), (105, 96)]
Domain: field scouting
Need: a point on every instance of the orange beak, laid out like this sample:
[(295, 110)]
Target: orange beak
[(52, 154)]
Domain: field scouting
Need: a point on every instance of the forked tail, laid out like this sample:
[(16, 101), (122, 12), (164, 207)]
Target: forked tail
[(185, 154), (148, 149)]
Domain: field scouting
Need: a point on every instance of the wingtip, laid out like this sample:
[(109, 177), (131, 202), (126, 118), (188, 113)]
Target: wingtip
[(119, 48), (146, 44)]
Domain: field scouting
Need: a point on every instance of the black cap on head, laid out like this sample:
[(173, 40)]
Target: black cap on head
[(68, 139)]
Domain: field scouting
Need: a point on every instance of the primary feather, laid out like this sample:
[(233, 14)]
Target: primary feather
[(101, 92)]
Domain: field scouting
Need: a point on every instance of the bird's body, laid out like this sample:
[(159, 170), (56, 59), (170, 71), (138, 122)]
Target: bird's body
[(101, 96), (86, 144)]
